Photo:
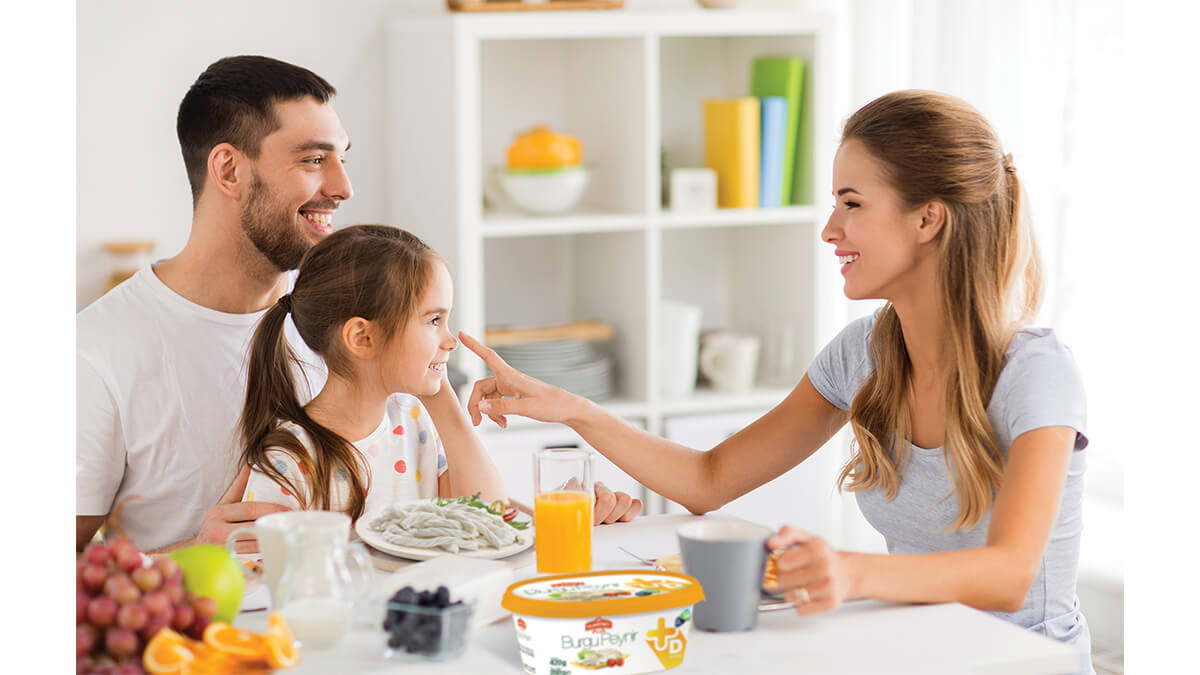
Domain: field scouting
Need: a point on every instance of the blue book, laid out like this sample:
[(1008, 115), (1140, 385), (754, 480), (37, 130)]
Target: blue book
[(774, 134)]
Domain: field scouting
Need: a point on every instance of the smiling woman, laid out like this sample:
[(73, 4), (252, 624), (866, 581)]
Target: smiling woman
[(969, 424)]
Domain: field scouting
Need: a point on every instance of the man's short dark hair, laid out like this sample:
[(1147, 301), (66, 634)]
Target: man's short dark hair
[(233, 102)]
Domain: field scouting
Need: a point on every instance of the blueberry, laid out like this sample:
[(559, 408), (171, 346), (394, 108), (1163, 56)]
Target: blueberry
[(406, 595), (425, 599), (443, 596)]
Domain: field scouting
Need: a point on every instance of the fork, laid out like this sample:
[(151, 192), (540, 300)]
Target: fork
[(644, 561)]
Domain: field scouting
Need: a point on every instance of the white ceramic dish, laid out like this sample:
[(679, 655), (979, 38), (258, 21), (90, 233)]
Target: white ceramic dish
[(544, 192), (376, 541)]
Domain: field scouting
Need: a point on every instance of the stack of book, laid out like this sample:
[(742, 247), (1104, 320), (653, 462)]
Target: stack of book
[(752, 143)]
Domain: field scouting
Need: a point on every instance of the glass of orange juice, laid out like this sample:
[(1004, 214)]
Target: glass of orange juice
[(562, 510)]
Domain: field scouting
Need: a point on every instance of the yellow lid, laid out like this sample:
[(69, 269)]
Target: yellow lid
[(610, 592)]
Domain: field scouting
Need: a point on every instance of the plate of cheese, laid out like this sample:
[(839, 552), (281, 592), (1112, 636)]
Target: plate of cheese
[(464, 526)]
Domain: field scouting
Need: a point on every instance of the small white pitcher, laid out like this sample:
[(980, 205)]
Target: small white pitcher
[(305, 566)]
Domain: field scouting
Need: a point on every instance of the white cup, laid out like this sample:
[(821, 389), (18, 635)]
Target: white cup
[(679, 331), (729, 361)]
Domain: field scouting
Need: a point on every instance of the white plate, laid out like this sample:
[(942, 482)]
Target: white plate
[(376, 541)]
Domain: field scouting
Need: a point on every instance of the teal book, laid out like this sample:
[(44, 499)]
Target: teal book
[(784, 77), (770, 172)]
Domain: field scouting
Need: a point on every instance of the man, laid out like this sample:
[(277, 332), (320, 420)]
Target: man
[(161, 358)]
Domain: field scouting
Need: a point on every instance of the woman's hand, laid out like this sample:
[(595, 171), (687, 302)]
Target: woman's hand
[(511, 392), (814, 576)]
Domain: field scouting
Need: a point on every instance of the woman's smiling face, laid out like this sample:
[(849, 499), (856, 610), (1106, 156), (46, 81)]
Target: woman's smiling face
[(874, 235)]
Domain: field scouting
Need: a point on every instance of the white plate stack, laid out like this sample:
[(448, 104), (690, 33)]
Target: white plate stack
[(570, 364)]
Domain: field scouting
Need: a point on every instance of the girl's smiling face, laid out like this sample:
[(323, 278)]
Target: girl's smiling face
[(876, 237), (414, 360)]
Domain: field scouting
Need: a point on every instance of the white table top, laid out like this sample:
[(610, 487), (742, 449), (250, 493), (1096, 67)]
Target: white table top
[(862, 636)]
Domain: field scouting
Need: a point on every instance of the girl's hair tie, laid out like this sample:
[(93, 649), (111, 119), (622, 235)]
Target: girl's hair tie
[(285, 301)]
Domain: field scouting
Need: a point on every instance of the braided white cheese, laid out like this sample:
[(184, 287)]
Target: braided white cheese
[(454, 527)]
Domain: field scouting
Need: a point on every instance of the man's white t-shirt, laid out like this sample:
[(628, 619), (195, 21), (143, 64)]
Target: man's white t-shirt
[(161, 383)]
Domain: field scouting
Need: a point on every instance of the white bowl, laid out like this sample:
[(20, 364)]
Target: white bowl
[(552, 191)]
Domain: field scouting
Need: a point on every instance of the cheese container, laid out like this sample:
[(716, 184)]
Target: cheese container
[(633, 621)]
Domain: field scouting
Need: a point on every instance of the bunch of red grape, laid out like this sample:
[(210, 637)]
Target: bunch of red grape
[(121, 602)]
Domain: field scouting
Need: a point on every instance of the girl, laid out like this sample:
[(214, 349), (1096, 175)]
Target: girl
[(373, 301), (968, 426)]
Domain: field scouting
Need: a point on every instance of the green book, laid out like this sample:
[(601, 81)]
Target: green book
[(783, 76)]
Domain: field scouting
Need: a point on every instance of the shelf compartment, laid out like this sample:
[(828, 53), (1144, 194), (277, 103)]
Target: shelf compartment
[(696, 68), (749, 280), (590, 88), (555, 279)]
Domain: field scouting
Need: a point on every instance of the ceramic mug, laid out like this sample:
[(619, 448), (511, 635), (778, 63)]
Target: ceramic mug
[(729, 361), (728, 558)]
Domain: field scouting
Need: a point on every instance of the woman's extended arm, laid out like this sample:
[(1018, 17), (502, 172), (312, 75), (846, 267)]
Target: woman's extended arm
[(469, 467), (994, 577), (700, 481)]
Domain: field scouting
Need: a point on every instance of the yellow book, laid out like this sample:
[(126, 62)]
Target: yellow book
[(731, 147)]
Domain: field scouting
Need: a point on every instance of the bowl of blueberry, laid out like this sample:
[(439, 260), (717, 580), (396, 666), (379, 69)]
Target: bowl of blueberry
[(426, 625)]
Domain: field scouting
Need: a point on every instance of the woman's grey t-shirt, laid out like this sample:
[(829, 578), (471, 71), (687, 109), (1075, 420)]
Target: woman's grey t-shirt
[(1039, 386)]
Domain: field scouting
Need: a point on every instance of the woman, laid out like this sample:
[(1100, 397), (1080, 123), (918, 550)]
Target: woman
[(967, 424)]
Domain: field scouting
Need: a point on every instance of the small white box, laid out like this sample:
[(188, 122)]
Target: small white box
[(693, 189)]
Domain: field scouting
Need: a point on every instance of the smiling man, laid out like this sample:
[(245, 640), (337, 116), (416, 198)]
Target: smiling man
[(161, 358)]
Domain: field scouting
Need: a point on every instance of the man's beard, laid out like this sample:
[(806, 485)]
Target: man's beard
[(271, 229)]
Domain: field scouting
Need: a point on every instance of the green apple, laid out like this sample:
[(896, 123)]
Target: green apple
[(213, 572)]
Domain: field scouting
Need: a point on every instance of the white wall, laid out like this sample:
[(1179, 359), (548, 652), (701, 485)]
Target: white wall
[(136, 60)]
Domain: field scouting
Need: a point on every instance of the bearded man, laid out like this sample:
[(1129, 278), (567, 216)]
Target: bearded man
[(161, 358)]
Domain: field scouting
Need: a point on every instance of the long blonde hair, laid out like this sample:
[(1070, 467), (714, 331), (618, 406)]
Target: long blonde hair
[(935, 147)]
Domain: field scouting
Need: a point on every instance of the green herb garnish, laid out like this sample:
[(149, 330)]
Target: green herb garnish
[(476, 502)]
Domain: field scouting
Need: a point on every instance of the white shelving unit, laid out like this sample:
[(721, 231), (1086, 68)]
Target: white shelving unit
[(629, 85)]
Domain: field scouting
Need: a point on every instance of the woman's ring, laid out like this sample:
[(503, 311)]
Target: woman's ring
[(804, 596)]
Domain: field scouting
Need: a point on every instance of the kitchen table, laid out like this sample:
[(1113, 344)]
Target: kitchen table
[(862, 636)]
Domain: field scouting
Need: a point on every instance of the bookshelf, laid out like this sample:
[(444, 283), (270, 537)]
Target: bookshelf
[(629, 85)]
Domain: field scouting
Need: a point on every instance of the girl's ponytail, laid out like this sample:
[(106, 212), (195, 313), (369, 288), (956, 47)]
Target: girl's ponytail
[(271, 399)]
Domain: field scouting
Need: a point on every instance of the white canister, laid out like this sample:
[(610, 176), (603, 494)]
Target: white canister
[(679, 344)]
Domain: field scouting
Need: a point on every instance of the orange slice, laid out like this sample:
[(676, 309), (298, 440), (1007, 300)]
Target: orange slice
[(225, 638), (167, 653), (210, 661), (281, 647), (771, 575)]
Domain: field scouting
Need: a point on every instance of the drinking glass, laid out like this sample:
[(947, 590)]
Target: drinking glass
[(562, 510)]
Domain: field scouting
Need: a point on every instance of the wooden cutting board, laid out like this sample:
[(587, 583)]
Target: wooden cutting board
[(576, 330), (517, 5)]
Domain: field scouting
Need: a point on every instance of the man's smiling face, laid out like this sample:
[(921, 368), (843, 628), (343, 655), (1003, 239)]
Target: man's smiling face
[(298, 181)]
